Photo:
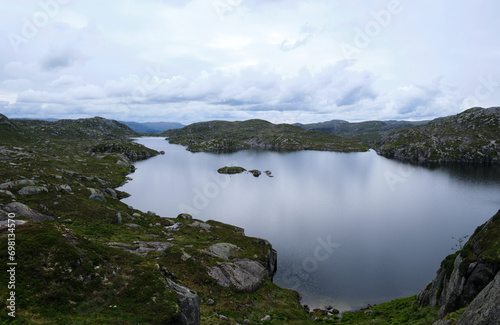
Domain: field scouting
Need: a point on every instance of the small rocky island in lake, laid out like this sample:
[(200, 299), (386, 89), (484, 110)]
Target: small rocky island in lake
[(231, 170), (239, 170)]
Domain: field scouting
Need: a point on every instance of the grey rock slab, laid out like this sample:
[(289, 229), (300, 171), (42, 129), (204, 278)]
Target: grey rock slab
[(23, 211), (485, 308), (32, 190), (246, 275)]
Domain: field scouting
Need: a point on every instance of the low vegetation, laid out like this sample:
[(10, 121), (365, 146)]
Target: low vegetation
[(84, 257), (231, 170), (472, 136), (222, 136)]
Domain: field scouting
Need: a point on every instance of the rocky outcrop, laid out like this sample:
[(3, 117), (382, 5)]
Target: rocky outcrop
[(463, 276), (244, 274), (96, 195), (22, 211), (255, 172), (6, 123), (469, 137), (32, 190), (189, 304), (8, 193), (23, 182), (272, 263), (132, 154), (485, 308), (458, 289)]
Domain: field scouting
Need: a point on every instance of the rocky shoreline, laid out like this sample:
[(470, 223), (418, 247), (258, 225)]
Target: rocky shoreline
[(104, 261)]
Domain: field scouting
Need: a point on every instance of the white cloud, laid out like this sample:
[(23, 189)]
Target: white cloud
[(280, 60)]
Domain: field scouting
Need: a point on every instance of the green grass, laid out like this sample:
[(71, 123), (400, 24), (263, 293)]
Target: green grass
[(399, 311)]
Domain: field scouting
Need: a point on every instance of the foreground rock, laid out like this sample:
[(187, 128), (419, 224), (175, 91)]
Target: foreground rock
[(22, 211), (464, 275), (485, 308), (188, 303), (244, 274)]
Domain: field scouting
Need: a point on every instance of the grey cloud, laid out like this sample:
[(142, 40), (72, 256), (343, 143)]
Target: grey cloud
[(59, 59), (356, 94)]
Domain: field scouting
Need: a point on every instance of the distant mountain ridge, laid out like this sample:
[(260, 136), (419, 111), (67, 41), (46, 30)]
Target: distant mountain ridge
[(472, 136), (368, 131), (152, 127)]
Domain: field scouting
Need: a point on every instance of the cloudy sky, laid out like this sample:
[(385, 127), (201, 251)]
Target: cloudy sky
[(280, 60)]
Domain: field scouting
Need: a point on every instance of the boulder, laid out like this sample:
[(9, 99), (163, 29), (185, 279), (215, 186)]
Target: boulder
[(64, 187), (246, 275), (201, 225), (96, 195), (185, 216), (118, 219), (265, 319), (221, 250), (8, 193), (23, 211), (485, 308), (255, 172), (188, 303), (24, 182), (109, 191), (32, 190)]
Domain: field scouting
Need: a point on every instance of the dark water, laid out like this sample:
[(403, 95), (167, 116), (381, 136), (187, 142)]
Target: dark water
[(350, 229)]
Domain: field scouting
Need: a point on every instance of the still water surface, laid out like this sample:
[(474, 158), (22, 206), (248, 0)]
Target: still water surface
[(350, 229)]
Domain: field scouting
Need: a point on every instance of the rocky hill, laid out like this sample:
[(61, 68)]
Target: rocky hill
[(84, 257), (6, 126), (220, 136), (369, 131), (472, 136)]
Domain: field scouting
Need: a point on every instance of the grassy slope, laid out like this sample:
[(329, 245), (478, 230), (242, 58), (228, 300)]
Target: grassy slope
[(230, 136)]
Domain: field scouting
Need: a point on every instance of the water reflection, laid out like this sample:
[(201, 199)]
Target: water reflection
[(350, 229)]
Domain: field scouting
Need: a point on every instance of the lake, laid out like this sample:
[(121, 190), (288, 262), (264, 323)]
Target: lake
[(350, 229)]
